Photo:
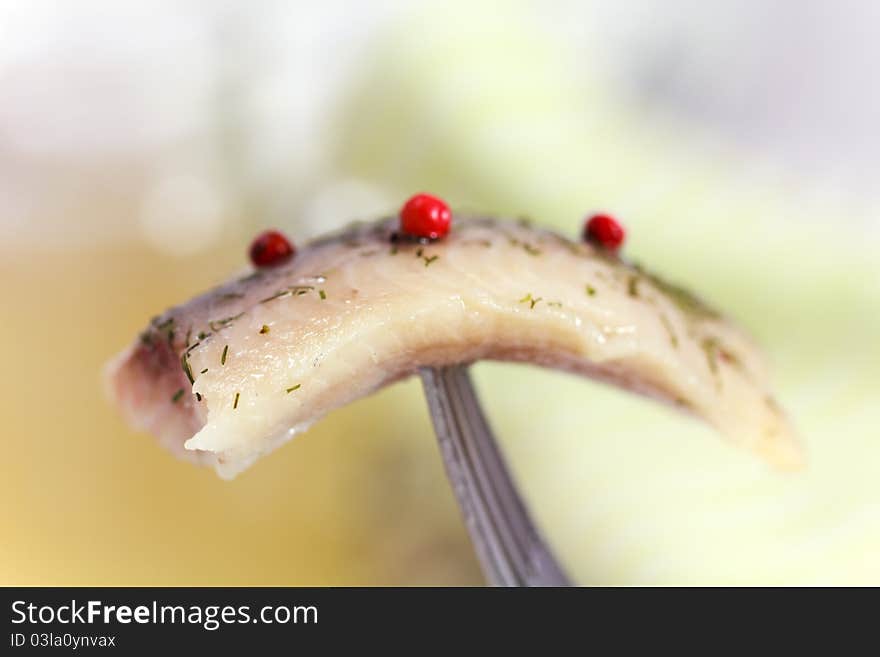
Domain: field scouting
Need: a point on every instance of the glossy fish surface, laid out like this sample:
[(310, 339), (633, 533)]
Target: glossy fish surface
[(238, 370)]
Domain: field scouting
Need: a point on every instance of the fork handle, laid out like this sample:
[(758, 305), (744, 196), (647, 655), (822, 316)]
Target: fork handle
[(508, 545)]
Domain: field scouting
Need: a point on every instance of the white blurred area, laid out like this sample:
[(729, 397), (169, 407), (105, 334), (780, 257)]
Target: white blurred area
[(154, 120), (180, 122)]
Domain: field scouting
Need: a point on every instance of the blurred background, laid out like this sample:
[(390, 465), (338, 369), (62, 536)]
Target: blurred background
[(142, 144)]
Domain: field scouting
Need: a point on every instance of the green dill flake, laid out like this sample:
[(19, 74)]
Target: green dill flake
[(292, 388), (202, 335), (235, 401), (686, 301), (166, 324), (219, 324), (277, 295), (204, 371), (428, 261), (322, 294), (531, 250), (223, 356), (419, 252), (710, 347), (555, 304), (633, 286), (188, 336), (177, 396), (184, 363), (591, 291), (300, 290), (264, 329), (673, 338), (532, 301)]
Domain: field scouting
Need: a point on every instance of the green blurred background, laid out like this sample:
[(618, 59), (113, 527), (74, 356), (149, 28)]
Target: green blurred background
[(142, 144)]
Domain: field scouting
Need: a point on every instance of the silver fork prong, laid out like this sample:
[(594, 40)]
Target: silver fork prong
[(508, 545)]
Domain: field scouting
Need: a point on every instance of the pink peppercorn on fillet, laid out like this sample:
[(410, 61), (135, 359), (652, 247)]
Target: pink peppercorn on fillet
[(233, 373)]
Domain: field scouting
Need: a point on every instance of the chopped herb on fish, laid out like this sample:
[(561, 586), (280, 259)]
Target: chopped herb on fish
[(277, 295), (673, 338), (184, 363), (632, 286), (532, 301), (710, 346), (388, 320), (219, 324)]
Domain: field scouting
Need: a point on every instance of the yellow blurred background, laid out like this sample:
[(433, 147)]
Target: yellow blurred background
[(142, 145)]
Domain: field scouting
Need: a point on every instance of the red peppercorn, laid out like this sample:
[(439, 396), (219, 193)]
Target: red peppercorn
[(270, 249), (604, 231), (425, 216)]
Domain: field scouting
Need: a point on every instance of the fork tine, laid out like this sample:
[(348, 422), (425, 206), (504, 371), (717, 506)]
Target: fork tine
[(508, 545)]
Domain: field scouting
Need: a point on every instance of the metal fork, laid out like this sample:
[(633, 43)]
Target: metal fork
[(508, 545)]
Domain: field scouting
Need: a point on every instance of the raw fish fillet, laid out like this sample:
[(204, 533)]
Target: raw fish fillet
[(235, 372)]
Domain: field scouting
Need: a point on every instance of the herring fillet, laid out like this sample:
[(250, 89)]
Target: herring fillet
[(233, 373)]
